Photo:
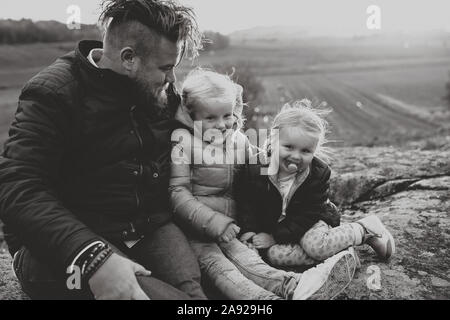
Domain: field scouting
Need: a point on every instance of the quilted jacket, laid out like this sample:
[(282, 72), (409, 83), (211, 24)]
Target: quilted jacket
[(83, 160), (201, 192)]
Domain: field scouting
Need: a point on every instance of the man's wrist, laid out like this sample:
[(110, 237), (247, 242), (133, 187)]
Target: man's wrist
[(91, 258), (95, 261), (78, 260)]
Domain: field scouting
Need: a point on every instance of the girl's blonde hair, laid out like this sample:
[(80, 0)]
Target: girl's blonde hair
[(201, 84), (302, 114)]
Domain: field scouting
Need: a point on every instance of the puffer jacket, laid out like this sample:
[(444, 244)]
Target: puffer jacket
[(83, 160), (202, 193), (260, 203)]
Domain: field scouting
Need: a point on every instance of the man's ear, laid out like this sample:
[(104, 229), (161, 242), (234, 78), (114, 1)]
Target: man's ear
[(128, 58)]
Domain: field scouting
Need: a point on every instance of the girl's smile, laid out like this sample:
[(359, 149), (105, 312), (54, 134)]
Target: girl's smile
[(296, 149)]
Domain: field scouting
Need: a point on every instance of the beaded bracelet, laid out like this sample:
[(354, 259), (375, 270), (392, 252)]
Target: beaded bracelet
[(87, 257), (98, 261)]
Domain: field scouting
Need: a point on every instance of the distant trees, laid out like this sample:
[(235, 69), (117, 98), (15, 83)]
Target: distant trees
[(27, 31), (447, 86), (215, 41)]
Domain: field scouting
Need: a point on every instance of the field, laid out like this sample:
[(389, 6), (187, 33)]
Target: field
[(380, 94)]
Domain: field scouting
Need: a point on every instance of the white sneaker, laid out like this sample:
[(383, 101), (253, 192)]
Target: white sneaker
[(328, 279), (355, 254)]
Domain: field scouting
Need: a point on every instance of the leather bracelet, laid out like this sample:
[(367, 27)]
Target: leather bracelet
[(88, 256), (97, 262)]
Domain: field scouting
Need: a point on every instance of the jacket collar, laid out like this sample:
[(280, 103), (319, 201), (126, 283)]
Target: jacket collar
[(103, 80), (300, 179)]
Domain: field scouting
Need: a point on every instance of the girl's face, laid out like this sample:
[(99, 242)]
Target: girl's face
[(214, 115), (296, 149)]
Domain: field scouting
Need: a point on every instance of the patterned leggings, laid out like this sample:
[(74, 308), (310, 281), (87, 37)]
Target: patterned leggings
[(318, 244)]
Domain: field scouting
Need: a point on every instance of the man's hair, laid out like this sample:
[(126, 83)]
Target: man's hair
[(175, 22)]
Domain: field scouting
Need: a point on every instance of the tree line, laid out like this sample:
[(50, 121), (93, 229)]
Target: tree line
[(213, 41), (447, 86), (27, 31)]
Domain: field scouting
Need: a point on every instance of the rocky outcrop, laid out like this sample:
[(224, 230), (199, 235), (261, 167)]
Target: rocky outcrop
[(409, 189), (369, 173)]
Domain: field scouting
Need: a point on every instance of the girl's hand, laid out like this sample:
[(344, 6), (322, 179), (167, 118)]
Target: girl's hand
[(116, 280), (263, 240), (230, 233), (246, 237)]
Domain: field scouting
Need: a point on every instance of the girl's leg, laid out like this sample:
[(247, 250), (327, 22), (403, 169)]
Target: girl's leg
[(253, 267), (324, 281), (224, 275), (288, 255), (323, 241)]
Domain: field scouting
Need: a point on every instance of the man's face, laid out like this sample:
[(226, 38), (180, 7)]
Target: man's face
[(157, 70)]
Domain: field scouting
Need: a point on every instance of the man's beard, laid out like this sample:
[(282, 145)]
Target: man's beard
[(150, 97), (160, 102)]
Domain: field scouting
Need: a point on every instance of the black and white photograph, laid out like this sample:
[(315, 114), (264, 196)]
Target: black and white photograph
[(239, 151)]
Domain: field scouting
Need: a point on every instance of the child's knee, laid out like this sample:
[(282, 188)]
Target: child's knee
[(274, 254), (314, 244), (318, 254), (287, 256)]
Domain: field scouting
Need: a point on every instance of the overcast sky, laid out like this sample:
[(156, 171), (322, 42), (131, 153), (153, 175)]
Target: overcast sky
[(334, 17)]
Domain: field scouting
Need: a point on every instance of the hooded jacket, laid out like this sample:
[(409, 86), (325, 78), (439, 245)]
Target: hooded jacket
[(260, 203), (201, 192), (83, 160)]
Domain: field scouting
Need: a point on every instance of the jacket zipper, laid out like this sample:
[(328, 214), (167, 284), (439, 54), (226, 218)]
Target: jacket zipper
[(277, 188), (292, 190), (141, 146)]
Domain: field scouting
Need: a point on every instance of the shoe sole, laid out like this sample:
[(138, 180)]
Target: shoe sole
[(338, 280)]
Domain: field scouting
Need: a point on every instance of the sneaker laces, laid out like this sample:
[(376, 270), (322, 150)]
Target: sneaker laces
[(368, 234)]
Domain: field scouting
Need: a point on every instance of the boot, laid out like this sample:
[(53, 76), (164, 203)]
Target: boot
[(377, 236)]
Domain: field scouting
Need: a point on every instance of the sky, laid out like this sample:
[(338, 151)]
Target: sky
[(327, 17)]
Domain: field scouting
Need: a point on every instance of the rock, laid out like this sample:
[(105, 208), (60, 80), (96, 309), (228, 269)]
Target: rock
[(408, 189), (361, 173), (349, 187), (438, 183), (389, 188), (438, 282), (392, 163), (412, 200), (9, 286), (420, 248)]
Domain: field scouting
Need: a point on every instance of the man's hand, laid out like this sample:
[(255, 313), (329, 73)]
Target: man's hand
[(263, 240), (116, 280), (230, 233)]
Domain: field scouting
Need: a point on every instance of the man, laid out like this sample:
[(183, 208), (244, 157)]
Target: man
[(84, 173)]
